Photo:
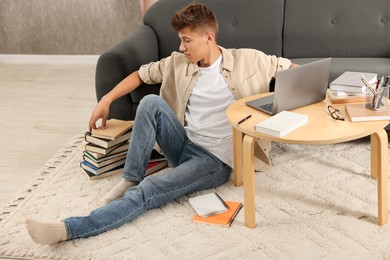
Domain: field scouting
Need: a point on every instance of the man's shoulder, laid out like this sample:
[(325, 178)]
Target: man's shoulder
[(244, 51), (178, 56)]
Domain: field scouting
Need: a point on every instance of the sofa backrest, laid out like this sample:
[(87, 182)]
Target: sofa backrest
[(254, 24), (336, 28)]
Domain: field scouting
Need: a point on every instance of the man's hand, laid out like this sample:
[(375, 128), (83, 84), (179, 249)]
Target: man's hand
[(100, 111), (124, 87)]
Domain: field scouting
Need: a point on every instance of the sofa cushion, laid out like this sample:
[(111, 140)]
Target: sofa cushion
[(339, 65), (334, 28), (254, 24)]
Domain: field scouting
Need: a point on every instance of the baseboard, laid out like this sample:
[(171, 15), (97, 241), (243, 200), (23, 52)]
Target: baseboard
[(48, 59)]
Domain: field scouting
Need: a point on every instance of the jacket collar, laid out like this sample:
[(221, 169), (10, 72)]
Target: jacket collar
[(227, 62)]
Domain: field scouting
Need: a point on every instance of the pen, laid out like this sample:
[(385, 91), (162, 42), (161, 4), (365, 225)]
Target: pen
[(377, 83), (245, 118), (368, 85), (378, 96), (381, 87)]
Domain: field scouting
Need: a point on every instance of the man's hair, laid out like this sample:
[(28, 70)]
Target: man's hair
[(195, 16)]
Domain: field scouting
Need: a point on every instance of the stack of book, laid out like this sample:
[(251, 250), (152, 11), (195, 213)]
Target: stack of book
[(106, 150), (349, 87)]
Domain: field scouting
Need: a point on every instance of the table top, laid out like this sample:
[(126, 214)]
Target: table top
[(321, 128)]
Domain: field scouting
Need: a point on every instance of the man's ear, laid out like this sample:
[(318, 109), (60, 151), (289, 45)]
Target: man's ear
[(210, 36)]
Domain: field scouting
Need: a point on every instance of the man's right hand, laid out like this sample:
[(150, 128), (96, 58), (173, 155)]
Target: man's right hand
[(124, 87), (99, 112)]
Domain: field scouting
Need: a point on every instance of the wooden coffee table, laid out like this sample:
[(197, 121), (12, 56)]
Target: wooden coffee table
[(321, 129)]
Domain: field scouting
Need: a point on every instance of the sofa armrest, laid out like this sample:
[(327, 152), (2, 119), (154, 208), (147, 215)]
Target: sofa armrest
[(117, 63)]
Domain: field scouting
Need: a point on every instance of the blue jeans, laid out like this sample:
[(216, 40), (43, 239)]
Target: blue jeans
[(193, 169)]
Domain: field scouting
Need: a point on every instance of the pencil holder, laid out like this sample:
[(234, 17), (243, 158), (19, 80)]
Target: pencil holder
[(380, 100)]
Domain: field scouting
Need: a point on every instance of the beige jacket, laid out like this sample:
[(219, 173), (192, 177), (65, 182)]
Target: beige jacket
[(246, 71)]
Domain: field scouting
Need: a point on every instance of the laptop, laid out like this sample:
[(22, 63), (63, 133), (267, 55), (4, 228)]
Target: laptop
[(297, 87)]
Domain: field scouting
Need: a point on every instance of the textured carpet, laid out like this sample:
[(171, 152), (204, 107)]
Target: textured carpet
[(314, 202)]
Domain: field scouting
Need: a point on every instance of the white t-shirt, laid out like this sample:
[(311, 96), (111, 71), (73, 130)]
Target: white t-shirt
[(205, 119)]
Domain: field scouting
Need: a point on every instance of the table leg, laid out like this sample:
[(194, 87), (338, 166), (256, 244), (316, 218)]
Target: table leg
[(379, 168), (237, 156), (249, 181)]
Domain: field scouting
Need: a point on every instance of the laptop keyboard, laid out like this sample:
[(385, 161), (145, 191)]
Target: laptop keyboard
[(267, 107)]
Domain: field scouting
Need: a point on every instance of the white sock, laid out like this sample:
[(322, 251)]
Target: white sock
[(46, 233), (117, 191)]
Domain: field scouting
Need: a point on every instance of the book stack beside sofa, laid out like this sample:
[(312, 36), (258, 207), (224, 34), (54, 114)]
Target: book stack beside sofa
[(106, 150)]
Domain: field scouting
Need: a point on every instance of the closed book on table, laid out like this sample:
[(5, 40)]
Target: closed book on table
[(282, 123), (223, 219), (208, 204), (351, 81), (359, 113)]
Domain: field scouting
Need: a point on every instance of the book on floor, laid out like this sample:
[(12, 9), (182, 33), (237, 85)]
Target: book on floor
[(156, 156), (104, 161), (223, 219), (207, 205), (114, 128), (101, 157), (282, 123), (155, 166), (92, 176), (106, 143), (350, 81), (96, 149), (359, 113), (96, 171)]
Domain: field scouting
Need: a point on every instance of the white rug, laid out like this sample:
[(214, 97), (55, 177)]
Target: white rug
[(315, 202)]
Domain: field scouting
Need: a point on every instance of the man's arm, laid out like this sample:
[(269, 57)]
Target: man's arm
[(124, 87)]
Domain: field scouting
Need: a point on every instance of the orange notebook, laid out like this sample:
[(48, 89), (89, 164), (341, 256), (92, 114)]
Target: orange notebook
[(223, 219)]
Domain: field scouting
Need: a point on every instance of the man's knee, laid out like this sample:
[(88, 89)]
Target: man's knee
[(150, 101)]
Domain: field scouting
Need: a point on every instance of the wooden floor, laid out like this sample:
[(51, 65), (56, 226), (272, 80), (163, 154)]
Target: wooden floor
[(42, 107)]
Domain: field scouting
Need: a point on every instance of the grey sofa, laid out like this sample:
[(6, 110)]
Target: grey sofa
[(355, 33)]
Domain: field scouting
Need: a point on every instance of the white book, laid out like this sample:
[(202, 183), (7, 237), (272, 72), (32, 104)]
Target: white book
[(350, 81), (208, 204), (282, 123)]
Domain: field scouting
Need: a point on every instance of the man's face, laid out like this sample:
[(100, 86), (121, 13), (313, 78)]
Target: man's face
[(194, 44)]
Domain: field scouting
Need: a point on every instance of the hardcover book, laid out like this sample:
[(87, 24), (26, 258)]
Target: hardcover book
[(96, 171), (282, 123), (114, 129), (359, 113), (350, 81), (102, 163), (155, 166), (121, 149), (92, 176), (105, 143)]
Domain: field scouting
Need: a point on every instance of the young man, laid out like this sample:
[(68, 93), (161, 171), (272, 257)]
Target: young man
[(187, 120)]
